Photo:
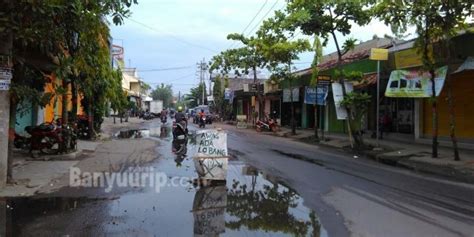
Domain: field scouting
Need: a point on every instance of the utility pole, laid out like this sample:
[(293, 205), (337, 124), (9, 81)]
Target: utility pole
[(6, 46), (202, 70)]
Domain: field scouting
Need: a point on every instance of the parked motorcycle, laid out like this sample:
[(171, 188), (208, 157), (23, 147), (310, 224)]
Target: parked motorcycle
[(266, 125), (82, 127), (148, 116), (21, 142)]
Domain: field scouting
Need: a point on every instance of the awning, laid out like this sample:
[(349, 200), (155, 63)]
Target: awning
[(468, 65)]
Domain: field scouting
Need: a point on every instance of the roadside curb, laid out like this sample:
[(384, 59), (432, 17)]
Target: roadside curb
[(410, 159), (456, 172)]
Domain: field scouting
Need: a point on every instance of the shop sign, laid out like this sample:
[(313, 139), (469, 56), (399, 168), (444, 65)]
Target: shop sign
[(324, 81), (410, 58), (311, 95), (4, 85), (414, 83), (229, 95), (378, 54), (5, 74), (287, 95), (341, 111)]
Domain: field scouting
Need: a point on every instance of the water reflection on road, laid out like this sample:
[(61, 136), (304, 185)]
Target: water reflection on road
[(252, 202)]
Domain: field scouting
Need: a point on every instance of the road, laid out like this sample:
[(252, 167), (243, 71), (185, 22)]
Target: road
[(358, 196), (275, 187)]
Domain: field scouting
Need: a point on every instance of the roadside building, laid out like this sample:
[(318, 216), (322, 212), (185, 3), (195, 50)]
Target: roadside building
[(244, 99), (356, 59), (131, 85), (462, 84), (272, 100)]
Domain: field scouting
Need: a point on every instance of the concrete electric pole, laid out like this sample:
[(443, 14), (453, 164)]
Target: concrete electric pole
[(6, 45), (202, 71)]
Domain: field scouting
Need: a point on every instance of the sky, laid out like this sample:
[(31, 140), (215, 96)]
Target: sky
[(177, 34)]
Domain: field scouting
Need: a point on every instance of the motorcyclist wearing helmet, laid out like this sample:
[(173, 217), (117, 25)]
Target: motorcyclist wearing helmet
[(180, 116)]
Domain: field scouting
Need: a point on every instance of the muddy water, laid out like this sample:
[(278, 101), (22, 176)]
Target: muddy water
[(251, 203)]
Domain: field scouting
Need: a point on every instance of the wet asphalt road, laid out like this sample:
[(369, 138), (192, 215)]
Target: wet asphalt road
[(270, 191)]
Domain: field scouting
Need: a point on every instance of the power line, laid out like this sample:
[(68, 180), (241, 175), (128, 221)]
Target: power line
[(172, 36), (165, 69), (174, 79), (261, 8), (263, 18), (251, 21)]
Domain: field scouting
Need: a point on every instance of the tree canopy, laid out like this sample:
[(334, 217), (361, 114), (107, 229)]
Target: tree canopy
[(165, 93)]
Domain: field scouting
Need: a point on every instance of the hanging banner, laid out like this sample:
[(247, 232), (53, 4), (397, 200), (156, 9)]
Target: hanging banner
[(414, 83), (311, 96), (287, 95), (341, 112)]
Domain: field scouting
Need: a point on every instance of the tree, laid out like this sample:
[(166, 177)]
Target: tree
[(165, 93), (242, 60), (318, 55), (436, 22), (50, 30), (276, 44), (144, 88), (195, 96), (218, 94), (325, 18)]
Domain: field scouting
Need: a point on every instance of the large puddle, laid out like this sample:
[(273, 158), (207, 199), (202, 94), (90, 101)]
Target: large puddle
[(251, 203)]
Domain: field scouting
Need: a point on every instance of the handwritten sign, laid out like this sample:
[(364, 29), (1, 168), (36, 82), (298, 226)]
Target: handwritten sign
[(211, 157), (211, 143)]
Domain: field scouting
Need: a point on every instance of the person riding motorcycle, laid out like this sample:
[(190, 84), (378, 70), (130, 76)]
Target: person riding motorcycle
[(180, 118), (201, 115)]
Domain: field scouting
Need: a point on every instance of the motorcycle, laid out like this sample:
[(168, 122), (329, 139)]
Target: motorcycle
[(82, 127), (180, 138), (148, 116), (51, 139), (266, 125), (202, 122), (21, 142)]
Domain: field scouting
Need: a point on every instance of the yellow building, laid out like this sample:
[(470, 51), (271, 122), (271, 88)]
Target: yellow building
[(53, 109)]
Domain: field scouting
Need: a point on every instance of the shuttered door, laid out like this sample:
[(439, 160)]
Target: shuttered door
[(463, 94)]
